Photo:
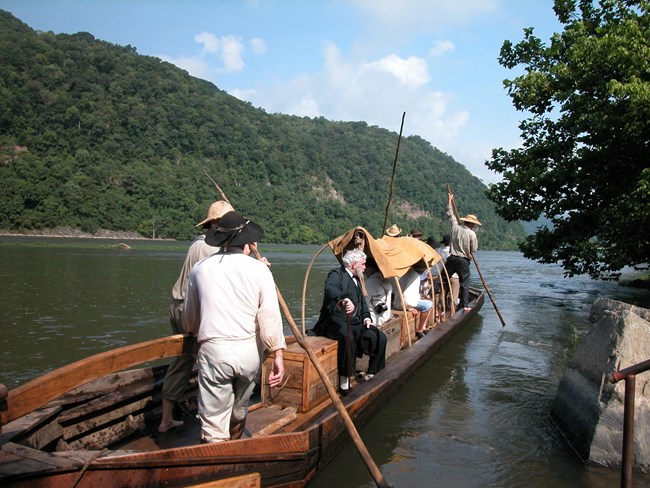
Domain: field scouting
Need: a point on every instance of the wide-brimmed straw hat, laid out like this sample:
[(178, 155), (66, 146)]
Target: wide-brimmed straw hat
[(233, 229), (216, 211), (471, 218), (393, 231)]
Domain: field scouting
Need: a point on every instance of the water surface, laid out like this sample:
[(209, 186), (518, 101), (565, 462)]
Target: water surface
[(476, 415)]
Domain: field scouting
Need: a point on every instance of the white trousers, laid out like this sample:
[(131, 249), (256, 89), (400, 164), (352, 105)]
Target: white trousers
[(227, 373)]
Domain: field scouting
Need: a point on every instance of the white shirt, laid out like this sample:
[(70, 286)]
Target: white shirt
[(410, 285), (379, 290), (197, 251), (233, 296)]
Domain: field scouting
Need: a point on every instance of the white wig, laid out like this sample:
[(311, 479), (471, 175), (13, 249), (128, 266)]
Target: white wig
[(353, 256)]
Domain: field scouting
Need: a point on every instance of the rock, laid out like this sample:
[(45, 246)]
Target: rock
[(588, 408)]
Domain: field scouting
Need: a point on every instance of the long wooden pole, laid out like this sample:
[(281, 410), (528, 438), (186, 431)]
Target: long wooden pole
[(223, 195), (503, 322), (392, 178), (352, 430)]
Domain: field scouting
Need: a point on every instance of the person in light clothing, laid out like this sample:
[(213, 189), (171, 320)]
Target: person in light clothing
[(231, 300), (180, 369), (410, 285), (380, 294), (463, 245)]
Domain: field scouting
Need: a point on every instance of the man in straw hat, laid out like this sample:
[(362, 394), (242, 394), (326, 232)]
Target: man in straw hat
[(231, 300), (393, 231), (180, 370), (462, 247)]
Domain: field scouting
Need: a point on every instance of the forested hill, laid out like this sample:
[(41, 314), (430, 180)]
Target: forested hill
[(95, 136)]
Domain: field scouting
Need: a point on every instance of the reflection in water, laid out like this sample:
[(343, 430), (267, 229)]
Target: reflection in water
[(475, 415)]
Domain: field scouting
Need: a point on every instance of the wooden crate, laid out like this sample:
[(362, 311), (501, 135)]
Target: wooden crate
[(393, 330), (304, 388)]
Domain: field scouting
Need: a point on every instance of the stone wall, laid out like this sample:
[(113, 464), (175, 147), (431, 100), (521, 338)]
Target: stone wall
[(588, 408)]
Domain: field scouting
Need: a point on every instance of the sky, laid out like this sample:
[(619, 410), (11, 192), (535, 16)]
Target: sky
[(345, 60)]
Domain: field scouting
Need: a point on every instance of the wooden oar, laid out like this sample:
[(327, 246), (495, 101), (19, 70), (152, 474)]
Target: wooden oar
[(352, 430), (503, 322)]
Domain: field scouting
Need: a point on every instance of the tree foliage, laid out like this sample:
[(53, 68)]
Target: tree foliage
[(584, 159), (94, 136)]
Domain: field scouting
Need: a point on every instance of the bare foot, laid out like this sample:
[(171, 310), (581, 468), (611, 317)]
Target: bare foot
[(162, 428)]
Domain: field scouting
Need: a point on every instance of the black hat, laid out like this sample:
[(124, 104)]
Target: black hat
[(368, 340), (233, 229)]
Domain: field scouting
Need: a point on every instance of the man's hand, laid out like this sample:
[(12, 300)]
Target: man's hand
[(367, 323), (349, 306), (277, 371)]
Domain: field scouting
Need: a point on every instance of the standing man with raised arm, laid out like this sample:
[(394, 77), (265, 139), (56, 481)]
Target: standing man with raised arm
[(463, 245)]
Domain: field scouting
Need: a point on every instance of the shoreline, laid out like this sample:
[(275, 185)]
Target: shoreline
[(65, 232)]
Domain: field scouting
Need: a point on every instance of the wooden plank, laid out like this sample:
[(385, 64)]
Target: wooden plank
[(272, 420), (251, 480), (81, 428), (43, 437), (27, 423), (109, 435), (46, 388), (114, 398), (111, 383), (35, 455)]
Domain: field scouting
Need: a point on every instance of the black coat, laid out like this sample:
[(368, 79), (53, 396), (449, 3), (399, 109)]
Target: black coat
[(339, 285)]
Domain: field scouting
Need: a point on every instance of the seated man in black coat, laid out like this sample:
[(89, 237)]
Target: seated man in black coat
[(343, 301)]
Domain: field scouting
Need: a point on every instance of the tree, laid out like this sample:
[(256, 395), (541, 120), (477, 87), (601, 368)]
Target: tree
[(584, 159)]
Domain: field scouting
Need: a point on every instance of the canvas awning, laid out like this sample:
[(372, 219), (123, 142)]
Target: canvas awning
[(393, 255)]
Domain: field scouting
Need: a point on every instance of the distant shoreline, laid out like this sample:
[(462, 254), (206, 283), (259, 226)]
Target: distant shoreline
[(65, 232)]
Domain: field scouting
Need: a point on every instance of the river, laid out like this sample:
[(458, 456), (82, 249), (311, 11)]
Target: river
[(476, 415)]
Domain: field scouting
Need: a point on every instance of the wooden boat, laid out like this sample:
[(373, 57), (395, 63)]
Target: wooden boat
[(93, 423)]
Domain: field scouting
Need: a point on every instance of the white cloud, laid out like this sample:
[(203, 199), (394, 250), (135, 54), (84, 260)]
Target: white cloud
[(246, 95), (376, 91), (210, 42), (231, 53), (411, 71), (194, 66), (258, 45), (306, 107), (229, 49), (441, 47)]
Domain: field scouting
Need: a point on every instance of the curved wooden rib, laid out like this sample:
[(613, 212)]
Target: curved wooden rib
[(36, 393)]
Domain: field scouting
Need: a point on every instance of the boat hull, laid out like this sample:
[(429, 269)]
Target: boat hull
[(290, 457)]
